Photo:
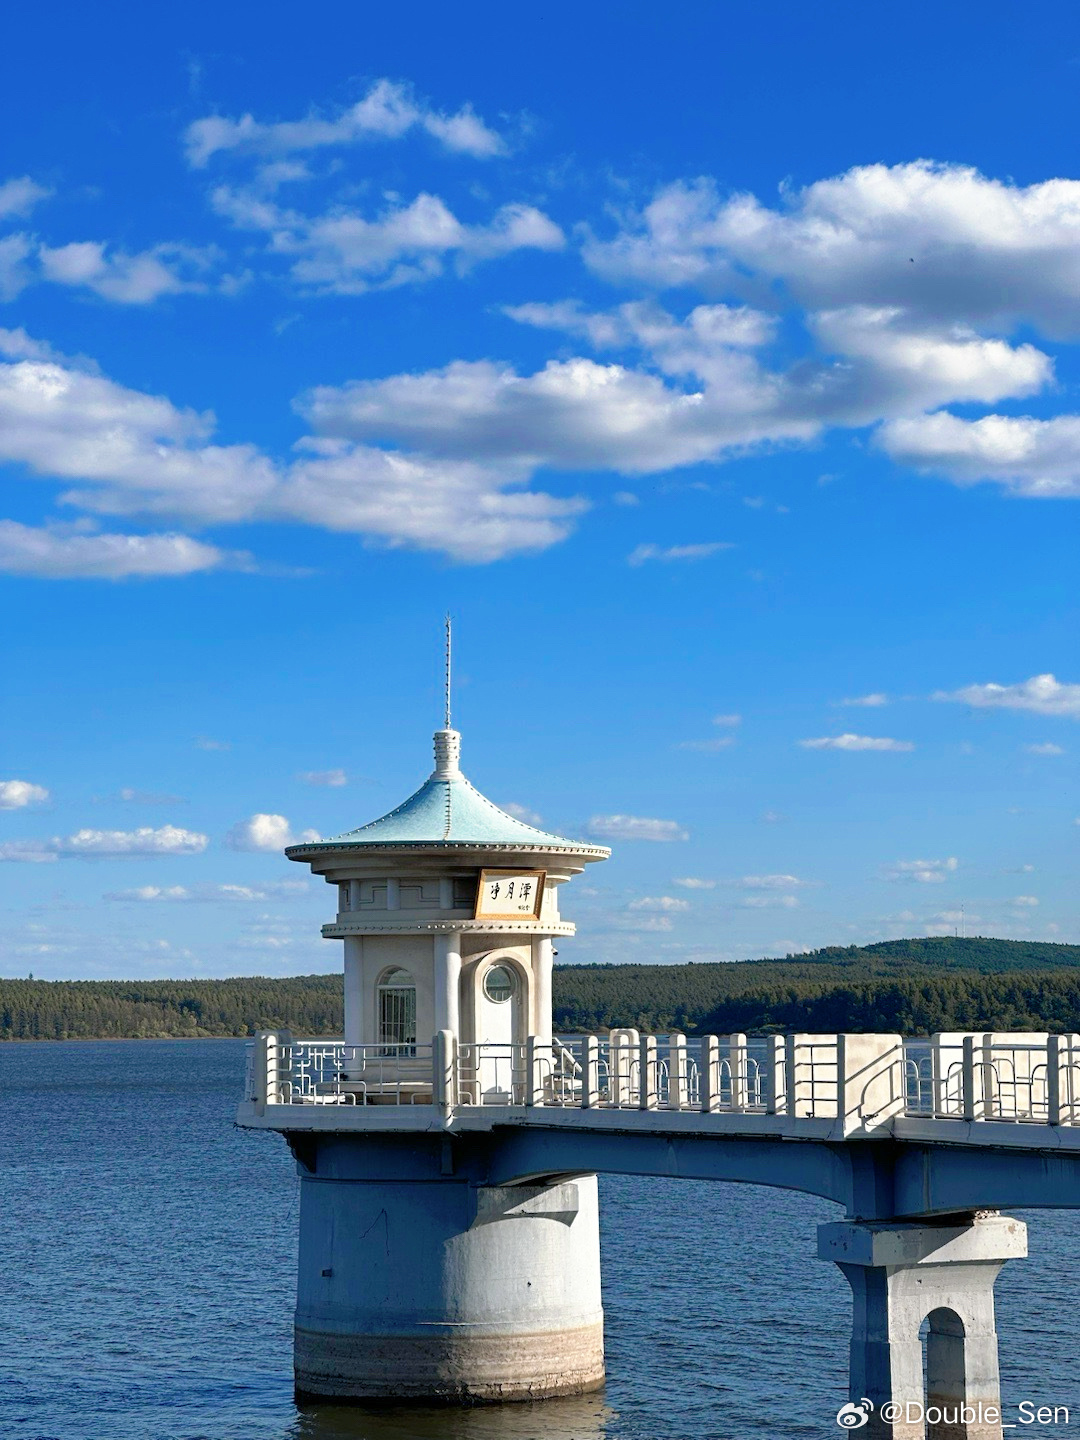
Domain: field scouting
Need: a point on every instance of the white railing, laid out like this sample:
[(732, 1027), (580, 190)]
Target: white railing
[(1032, 1078), (860, 1082), (283, 1071)]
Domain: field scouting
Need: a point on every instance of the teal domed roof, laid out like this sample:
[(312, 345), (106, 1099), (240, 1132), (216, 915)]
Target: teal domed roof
[(448, 810)]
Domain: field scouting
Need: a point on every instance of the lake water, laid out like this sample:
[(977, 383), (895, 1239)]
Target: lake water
[(148, 1260)]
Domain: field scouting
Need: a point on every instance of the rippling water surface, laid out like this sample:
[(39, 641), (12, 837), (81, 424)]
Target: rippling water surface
[(148, 1257)]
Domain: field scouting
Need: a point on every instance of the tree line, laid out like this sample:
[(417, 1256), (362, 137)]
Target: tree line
[(912, 986)]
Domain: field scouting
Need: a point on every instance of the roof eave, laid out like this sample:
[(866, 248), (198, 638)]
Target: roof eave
[(337, 847)]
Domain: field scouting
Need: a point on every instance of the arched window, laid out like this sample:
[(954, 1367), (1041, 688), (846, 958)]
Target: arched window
[(397, 1011)]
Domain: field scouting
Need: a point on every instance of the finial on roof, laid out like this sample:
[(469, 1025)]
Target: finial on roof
[(447, 740), (447, 755)]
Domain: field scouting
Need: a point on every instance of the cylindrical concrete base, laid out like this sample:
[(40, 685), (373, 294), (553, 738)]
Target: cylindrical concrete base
[(431, 1287)]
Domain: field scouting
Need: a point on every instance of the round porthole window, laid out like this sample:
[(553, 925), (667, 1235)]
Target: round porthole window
[(499, 984)]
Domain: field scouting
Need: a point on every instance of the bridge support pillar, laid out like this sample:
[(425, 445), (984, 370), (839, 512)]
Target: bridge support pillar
[(420, 1281), (902, 1275)]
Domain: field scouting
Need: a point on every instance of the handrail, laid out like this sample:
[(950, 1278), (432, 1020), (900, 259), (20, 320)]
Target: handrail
[(858, 1083)]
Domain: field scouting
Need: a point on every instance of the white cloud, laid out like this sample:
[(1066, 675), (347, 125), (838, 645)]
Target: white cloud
[(33, 852), (666, 903), (15, 272), (941, 241), (59, 553), (90, 844), (1048, 748), (694, 882), (167, 269), (571, 415), (263, 832), (19, 196), (136, 454), (1042, 694), (668, 553), (387, 112), (772, 882), (277, 890), (1025, 900), (768, 902), (578, 413), (17, 794), (635, 827), (145, 841), (205, 743), (1037, 459), (150, 892), (679, 348), (345, 253), (871, 701), (953, 918), (924, 872), (710, 746), (522, 812), (645, 924), (857, 742), (332, 778), (130, 796), (728, 720)]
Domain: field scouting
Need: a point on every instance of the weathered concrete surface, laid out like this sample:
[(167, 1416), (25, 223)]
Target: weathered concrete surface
[(450, 1367), (422, 1282), (902, 1275)]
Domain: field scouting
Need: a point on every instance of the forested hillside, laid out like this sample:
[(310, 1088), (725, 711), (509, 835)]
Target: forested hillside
[(144, 1009), (914, 986)]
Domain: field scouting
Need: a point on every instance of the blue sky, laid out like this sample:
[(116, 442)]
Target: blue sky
[(715, 365)]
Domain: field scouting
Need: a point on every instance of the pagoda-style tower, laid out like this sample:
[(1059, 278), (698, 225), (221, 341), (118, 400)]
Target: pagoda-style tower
[(430, 948), (420, 1276)]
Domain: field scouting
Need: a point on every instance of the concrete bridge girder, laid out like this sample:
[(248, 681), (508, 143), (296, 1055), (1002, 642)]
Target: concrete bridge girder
[(872, 1180)]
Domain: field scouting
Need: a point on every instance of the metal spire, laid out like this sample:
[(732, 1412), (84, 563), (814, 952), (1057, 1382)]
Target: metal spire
[(447, 740), (446, 725)]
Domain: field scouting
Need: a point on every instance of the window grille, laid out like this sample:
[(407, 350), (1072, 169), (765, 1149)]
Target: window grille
[(397, 1013)]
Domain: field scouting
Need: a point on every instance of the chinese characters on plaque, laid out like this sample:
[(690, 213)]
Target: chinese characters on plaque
[(510, 895)]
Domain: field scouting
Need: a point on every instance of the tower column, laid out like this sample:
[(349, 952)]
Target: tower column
[(354, 990), (543, 959), (448, 981), (419, 1281), (902, 1275)]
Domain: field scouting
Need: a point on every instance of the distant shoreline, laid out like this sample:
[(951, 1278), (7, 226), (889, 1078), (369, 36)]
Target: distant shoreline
[(912, 987)]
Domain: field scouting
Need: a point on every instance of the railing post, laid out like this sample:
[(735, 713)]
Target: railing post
[(590, 1078), (1067, 1083), (623, 1045), (990, 1092), (534, 1079), (775, 1075), (710, 1074), (967, 1079), (678, 1088), (285, 1065), (1053, 1079), (444, 1068), (737, 1052), (261, 1065), (649, 1097), (790, 1070), (870, 1083)]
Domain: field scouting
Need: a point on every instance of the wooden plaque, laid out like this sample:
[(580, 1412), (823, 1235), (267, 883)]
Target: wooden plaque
[(510, 895)]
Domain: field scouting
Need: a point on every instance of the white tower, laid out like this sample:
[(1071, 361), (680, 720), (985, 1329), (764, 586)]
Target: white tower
[(418, 1278), (429, 947)]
